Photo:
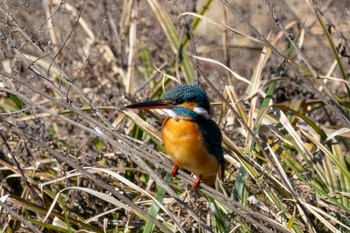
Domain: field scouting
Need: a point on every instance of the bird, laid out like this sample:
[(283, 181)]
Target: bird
[(190, 137)]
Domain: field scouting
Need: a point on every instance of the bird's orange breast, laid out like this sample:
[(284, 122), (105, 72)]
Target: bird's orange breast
[(184, 143)]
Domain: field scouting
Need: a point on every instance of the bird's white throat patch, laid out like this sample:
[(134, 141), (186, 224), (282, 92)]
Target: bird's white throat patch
[(171, 113), (199, 110)]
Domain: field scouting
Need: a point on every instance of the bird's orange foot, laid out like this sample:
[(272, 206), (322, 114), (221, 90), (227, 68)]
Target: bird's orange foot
[(196, 182), (174, 170)]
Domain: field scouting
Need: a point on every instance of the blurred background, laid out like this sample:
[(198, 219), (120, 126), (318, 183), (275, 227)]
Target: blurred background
[(68, 68)]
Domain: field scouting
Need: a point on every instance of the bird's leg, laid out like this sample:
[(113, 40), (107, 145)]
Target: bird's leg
[(196, 182), (174, 170)]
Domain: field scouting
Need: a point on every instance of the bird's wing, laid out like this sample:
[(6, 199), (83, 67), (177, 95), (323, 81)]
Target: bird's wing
[(213, 139)]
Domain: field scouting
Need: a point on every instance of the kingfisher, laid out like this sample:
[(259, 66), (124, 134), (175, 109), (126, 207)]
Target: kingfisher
[(190, 137)]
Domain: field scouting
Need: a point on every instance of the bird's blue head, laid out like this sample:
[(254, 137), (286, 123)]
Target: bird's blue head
[(188, 95), (184, 101)]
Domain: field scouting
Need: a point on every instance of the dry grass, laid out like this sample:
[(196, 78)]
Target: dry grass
[(72, 158)]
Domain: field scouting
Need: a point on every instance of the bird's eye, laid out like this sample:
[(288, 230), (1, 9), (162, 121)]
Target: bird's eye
[(179, 101)]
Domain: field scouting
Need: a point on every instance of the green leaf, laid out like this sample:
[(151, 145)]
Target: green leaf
[(19, 103), (155, 208)]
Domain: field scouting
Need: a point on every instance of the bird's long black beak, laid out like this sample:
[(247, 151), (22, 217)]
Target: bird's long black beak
[(151, 104)]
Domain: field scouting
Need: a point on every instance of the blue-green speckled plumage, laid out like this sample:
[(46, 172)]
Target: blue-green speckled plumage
[(189, 93)]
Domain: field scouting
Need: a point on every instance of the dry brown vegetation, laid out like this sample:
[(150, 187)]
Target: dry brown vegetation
[(72, 158)]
